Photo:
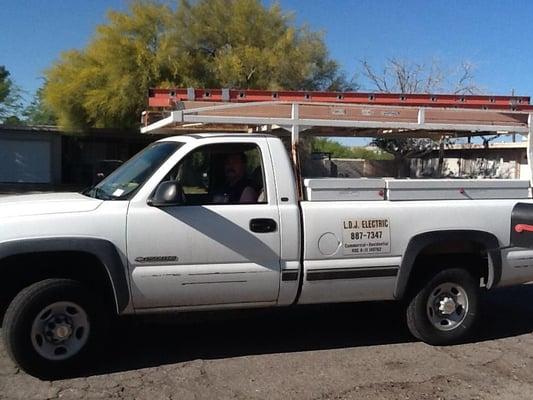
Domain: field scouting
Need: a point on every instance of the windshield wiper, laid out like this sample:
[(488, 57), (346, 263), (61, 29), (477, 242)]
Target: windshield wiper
[(96, 193), (101, 195)]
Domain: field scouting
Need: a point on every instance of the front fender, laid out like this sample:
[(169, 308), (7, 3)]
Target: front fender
[(103, 249)]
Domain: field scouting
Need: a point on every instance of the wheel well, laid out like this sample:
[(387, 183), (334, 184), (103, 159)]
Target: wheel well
[(22, 270), (468, 254)]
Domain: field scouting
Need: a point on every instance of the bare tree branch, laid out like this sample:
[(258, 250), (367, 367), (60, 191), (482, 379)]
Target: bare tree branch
[(465, 83), (378, 81), (402, 76)]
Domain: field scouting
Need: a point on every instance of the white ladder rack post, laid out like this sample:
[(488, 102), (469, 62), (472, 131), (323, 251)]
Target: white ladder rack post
[(295, 146), (530, 147)]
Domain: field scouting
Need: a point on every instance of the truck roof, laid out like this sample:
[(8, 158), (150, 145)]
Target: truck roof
[(200, 136)]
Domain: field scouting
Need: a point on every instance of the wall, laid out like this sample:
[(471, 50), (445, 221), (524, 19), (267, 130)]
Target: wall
[(81, 154), (493, 162), (40, 157), (498, 163), (30, 157)]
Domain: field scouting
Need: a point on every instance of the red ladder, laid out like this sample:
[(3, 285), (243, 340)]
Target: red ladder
[(169, 98)]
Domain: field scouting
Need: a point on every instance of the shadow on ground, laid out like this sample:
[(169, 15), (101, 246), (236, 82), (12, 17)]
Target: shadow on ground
[(185, 337)]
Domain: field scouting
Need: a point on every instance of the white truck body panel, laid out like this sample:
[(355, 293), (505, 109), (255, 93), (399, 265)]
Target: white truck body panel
[(351, 250), (84, 217), (326, 241), (50, 203), (517, 266)]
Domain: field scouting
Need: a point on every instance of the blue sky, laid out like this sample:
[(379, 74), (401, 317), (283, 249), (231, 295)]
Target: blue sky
[(494, 35)]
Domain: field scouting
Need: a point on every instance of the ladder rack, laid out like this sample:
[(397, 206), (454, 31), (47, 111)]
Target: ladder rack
[(478, 115), (179, 111), (334, 113)]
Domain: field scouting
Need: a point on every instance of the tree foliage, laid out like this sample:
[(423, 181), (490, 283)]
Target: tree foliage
[(10, 99), (205, 43), (38, 112), (5, 83), (338, 150), (106, 83)]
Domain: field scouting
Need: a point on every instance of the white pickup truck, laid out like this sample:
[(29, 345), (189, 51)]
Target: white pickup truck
[(214, 221)]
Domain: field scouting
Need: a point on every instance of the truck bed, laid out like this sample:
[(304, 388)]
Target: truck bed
[(346, 189)]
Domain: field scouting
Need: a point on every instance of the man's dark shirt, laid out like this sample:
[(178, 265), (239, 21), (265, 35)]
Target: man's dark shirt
[(233, 193)]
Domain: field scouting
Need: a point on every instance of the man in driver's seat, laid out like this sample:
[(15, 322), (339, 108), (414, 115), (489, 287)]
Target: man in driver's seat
[(238, 188)]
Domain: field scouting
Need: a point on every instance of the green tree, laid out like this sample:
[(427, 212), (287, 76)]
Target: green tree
[(10, 99), (242, 44), (338, 150), (5, 84), (38, 112), (105, 84), (205, 43)]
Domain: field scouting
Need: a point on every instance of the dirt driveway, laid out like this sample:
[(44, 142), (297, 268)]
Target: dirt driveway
[(360, 351)]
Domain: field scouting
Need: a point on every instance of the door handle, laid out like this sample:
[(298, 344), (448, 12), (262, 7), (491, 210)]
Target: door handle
[(263, 225)]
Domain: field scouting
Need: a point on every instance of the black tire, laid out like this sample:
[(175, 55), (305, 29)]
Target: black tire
[(418, 309), (25, 308)]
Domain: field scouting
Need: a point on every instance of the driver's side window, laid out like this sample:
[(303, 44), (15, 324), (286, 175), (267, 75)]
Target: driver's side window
[(221, 174)]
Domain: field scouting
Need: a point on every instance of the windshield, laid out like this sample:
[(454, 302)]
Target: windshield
[(123, 182)]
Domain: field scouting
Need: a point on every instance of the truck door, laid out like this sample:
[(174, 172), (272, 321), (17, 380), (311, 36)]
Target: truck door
[(221, 246)]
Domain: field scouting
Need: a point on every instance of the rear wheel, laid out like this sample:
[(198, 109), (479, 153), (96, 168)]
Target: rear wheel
[(445, 309), (50, 325)]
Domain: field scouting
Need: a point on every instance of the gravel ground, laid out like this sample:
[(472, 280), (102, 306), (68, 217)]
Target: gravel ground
[(360, 351)]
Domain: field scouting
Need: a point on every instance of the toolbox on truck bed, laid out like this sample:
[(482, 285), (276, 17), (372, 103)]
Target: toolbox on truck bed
[(456, 189), (331, 189), (347, 189)]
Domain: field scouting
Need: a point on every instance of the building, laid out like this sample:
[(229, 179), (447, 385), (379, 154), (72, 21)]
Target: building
[(494, 160), (46, 157)]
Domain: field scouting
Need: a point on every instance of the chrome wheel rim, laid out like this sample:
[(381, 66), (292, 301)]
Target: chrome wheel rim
[(447, 306), (60, 330)]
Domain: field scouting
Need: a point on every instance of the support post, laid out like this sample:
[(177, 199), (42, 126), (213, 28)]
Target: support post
[(421, 116), (295, 141), (225, 95), (530, 147), (191, 96)]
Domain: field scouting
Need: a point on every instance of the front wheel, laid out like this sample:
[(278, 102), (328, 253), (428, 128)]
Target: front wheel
[(50, 325), (445, 309)]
